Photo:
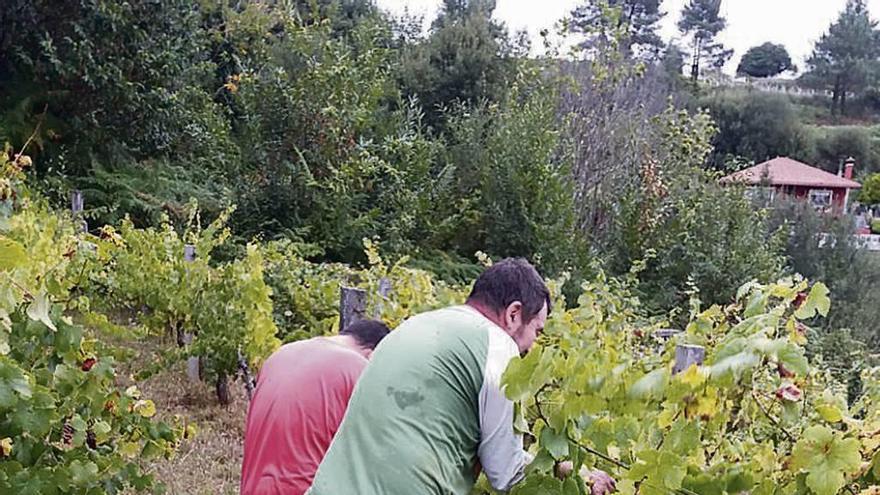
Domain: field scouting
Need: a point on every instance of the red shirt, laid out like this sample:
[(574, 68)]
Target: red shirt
[(301, 396)]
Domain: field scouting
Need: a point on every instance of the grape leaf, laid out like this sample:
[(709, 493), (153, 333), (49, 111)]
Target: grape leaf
[(827, 458), (792, 357), (38, 310), (555, 443), (817, 302), (12, 254), (650, 386)]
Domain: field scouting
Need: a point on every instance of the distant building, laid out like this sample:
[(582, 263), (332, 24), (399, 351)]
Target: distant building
[(785, 177)]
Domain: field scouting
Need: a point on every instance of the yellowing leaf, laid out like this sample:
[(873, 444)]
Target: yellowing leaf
[(694, 376), (129, 449), (817, 302), (827, 458), (145, 408), (706, 406), (12, 254), (665, 419), (613, 451), (829, 412), (6, 447)]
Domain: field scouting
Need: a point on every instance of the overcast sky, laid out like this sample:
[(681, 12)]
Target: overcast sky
[(797, 24)]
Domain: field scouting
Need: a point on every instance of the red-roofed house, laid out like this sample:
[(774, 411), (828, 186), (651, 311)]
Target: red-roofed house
[(788, 177)]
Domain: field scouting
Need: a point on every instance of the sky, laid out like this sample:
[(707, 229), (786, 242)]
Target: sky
[(797, 24)]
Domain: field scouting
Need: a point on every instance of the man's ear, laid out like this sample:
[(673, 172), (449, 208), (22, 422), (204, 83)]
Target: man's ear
[(513, 314)]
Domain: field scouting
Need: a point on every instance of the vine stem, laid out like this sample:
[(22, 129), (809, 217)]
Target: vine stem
[(33, 134), (18, 286), (773, 420)]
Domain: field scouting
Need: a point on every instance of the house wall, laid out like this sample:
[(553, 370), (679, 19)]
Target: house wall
[(838, 194)]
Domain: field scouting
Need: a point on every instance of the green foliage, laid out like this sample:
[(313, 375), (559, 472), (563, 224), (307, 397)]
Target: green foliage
[(639, 19), (756, 126), (767, 60), (870, 192), (503, 158), (823, 248), (467, 59), (306, 295), (835, 144), (702, 20), (599, 391), (115, 74), (844, 59), (689, 231), (227, 306), (67, 426)]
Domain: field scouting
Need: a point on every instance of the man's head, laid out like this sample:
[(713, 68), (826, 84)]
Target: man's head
[(366, 334), (513, 295)]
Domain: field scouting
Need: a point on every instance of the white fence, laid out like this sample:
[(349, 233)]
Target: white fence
[(870, 242)]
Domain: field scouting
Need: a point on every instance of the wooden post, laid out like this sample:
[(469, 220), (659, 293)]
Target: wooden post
[(665, 334), (189, 252), (76, 202), (352, 306), (193, 363), (686, 355), (222, 389), (384, 290), (76, 207), (249, 384)]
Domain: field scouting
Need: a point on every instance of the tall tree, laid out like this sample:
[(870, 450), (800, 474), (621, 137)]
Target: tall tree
[(702, 20), (845, 58), (464, 60), (767, 60), (636, 20)]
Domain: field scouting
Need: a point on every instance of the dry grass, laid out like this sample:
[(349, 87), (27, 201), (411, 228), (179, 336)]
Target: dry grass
[(211, 462)]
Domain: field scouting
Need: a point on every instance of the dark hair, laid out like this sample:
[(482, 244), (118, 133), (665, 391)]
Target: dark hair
[(367, 333), (509, 280)]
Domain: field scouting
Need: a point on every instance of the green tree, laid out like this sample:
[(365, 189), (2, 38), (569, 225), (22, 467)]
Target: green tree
[(767, 60), (845, 58), (638, 19), (702, 20), (466, 58), (755, 126), (870, 193)]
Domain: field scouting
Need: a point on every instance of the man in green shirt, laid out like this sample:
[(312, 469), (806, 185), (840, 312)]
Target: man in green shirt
[(430, 405)]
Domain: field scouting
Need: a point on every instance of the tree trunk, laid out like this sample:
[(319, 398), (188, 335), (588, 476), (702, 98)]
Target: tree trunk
[(222, 389), (835, 97), (844, 87), (695, 63)]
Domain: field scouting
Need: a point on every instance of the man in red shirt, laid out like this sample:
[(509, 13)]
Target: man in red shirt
[(301, 396)]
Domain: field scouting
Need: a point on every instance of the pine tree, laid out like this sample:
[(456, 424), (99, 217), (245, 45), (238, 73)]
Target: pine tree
[(702, 20), (845, 58), (637, 19)]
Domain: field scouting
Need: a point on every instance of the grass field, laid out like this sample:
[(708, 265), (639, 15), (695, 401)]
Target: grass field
[(211, 462)]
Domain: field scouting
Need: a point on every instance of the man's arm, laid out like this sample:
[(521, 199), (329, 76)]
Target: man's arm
[(501, 450)]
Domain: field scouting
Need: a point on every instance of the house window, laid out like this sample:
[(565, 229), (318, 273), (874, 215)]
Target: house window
[(763, 195), (820, 198)]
